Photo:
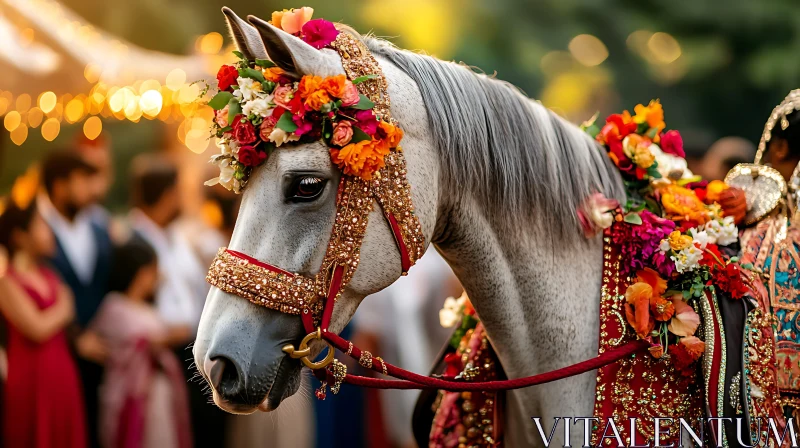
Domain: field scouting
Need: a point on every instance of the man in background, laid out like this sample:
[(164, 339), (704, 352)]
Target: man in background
[(82, 259), (97, 153), (723, 155), (181, 292)]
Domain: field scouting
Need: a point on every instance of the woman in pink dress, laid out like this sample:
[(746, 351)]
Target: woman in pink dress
[(42, 401)]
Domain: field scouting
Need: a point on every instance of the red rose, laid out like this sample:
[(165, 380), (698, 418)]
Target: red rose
[(226, 77), (267, 126), (731, 280), (672, 143), (243, 131), (250, 156)]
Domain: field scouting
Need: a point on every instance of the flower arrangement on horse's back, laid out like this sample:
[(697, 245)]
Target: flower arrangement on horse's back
[(258, 108), (673, 232)]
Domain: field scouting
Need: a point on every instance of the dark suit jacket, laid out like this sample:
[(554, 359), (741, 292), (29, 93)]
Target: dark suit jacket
[(87, 296)]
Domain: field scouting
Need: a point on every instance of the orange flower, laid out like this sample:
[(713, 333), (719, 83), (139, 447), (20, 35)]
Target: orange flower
[(661, 308), (657, 351), (361, 159), (393, 133), (334, 85), (273, 74), (292, 21), (652, 114), (715, 189), (686, 320), (308, 85), (694, 346), (637, 308), (682, 204), (316, 100), (651, 277)]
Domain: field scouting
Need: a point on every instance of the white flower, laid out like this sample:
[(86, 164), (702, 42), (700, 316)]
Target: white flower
[(259, 106), (687, 259), (248, 89), (664, 246), (450, 314), (226, 173), (723, 231), (700, 238), (670, 165), (227, 147), (279, 137)]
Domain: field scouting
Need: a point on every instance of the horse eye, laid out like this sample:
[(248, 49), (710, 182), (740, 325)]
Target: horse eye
[(305, 189)]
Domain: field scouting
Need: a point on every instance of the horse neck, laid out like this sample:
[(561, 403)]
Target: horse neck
[(537, 298)]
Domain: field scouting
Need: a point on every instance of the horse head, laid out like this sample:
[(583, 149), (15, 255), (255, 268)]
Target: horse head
[(286, 218)]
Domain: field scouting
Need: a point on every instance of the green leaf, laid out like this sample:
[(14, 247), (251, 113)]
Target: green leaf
[(361, 79), (239, 54), (364, 103), (234, 109), (220, 100), (251, 73), (633, 218), (285, 123), (652, 133), (359, 135), (265, 63), (592, 130)]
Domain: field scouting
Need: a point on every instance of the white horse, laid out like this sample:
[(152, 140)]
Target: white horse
[(496, 180)]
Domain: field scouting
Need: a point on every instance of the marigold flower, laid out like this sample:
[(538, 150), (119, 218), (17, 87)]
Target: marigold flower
[(715, 189), (274, 74), (393, 133), (682, 204), (679, 241), (662, 309), (652, 114), (361, 159), (316, 100), (336, 86), (308, 85), (694, 346)]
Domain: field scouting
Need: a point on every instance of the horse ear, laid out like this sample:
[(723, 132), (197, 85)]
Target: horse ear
[(294, 56), (245, 36)]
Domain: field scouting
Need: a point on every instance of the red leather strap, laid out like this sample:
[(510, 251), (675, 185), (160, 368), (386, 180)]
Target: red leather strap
[(259, 263), (405, 259), (411, 380)]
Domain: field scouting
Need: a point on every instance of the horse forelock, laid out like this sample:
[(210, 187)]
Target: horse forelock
[(520, 161)]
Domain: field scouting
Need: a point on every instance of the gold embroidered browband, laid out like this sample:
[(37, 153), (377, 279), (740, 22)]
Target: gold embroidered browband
[(275, 288)]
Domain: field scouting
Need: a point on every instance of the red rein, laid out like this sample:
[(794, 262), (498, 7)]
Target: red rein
[(411, 380)]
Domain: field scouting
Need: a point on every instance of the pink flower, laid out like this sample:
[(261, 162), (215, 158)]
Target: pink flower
[(282, 96), (266, 128), (342, 133), (221, 117), (319, 33), (366, 121), (672, 143), (597, 213), (351, 96), (639, 243), (685, 321), (303, 126), (250, 156)]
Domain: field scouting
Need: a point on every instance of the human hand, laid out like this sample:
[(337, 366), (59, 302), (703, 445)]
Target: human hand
[(92, 347)]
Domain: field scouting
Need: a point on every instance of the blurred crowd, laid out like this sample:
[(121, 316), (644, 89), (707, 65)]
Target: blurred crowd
[(98, 311)]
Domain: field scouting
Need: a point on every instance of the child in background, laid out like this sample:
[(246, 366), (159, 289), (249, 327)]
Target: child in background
[(42, 401), (143, 398)]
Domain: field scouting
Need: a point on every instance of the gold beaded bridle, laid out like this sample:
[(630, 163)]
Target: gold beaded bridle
[(313, 297)]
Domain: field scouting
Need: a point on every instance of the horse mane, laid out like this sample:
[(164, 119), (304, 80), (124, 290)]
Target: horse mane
[(519, 160)]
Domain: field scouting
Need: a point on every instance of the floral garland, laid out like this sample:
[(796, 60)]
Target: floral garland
[(672, 232), (258, 108)]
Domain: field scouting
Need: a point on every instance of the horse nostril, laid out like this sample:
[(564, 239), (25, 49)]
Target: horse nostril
[(223, 374)]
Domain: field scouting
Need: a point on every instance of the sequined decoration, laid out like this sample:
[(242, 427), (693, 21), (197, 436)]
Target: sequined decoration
[(790, 104), (339, 371), (639, 386), (280, 291), (735, 397), (468, 419)]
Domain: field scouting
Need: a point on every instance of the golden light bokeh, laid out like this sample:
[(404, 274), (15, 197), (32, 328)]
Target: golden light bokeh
[(664, 47), (12, 121), (556, 62), (588, 50), (197, 140), (92, 72), (35, 117), (23, 103), (20, 134), (210, 43), (26, 37), (150, 84), (151, 102), (92, 127), (175, 79), (50, 129), (4, 103), (73, 112), (47, 101)]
